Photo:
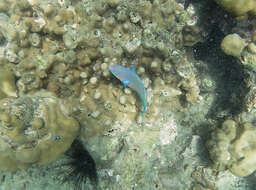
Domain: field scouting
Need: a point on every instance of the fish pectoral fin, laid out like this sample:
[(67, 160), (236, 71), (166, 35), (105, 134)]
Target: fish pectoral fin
[(133, 67), (125, 82)]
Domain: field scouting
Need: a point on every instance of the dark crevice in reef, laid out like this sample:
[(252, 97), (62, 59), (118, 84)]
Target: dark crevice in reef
[(229, 75), (251, 182)]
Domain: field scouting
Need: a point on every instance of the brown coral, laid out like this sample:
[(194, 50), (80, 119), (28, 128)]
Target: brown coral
[(29, 126)]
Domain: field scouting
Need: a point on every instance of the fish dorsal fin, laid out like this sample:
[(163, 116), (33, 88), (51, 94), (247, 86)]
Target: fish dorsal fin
[(125, 82), (133, 67)]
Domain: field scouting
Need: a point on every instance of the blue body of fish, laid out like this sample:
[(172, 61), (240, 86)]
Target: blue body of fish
[(129, 78)]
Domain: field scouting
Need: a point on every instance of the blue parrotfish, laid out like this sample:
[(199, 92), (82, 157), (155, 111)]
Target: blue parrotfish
[(129, 78)]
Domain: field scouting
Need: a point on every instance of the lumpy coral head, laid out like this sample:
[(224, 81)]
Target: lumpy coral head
[(238, 7), (28, 127)]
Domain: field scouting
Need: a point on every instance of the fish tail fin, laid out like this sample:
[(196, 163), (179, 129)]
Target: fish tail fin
[(143, 114)]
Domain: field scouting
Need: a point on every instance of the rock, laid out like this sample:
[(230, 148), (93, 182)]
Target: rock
[(233, 45)]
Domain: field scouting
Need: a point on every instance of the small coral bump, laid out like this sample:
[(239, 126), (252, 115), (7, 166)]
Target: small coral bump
[(35, 40), (127, 91), (93, 81), (95, 114), (106, 73), (141, 70), (84, 75), (122, 100), (38, 123), (97, 95), (104, 66)]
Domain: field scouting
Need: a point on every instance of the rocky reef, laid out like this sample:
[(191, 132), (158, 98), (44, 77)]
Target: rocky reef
[(197, 68)]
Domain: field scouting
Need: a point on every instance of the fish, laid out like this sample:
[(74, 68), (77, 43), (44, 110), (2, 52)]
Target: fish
[(129, 78), (56, 138)]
